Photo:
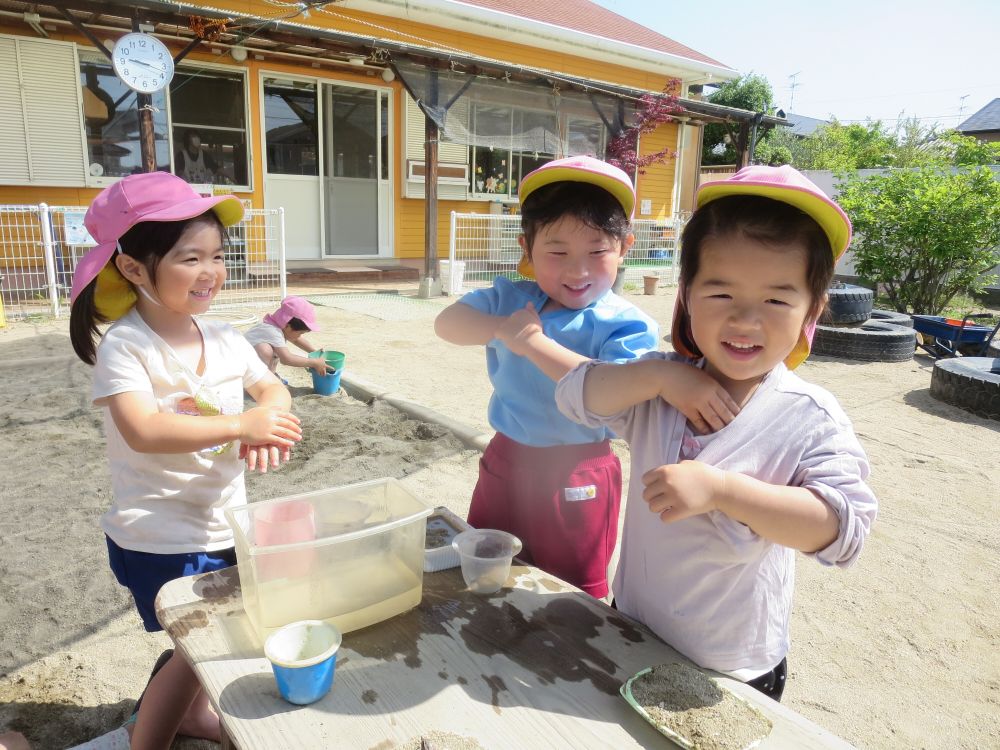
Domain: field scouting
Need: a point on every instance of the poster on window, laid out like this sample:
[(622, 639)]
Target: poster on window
[(74, 230)]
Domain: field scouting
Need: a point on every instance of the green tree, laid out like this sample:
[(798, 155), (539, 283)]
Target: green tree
[(925, 235), (751, 92), (844, 148)]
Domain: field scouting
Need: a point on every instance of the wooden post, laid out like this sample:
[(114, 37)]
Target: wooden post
[(743, 144), (430, 198), (147, 136), (431, 136)]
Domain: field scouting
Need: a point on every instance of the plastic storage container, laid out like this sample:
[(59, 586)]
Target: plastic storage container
[(359, 562)]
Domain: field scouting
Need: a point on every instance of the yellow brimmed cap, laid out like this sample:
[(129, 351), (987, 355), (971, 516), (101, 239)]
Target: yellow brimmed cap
[(582, 169)]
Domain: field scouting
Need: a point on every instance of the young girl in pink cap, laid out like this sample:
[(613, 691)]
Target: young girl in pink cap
[(170, 386), (723, 492), (286, 325)]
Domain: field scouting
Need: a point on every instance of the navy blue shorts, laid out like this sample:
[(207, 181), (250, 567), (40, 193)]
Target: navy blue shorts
[(144, 573)]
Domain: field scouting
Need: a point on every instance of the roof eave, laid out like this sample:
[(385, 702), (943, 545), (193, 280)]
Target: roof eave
[(477, 20)]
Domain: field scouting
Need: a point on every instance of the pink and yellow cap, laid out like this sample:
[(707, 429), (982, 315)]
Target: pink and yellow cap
[(788, 185), (151, 196), (585, 169)]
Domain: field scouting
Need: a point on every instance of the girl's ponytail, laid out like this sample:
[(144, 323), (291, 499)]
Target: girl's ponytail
[(83, 324)]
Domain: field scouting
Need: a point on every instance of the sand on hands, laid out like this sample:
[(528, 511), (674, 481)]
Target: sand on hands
[(900, 651)]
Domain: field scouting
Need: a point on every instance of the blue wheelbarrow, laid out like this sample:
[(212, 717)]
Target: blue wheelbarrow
[(951, 337)]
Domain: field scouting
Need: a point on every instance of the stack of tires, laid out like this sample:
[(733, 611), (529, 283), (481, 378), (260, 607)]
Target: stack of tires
[(851, 329)]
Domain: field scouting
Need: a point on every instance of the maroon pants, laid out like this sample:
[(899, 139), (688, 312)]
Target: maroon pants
[(562, 502)]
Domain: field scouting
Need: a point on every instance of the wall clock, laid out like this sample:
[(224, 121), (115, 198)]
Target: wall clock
[(143, 62)]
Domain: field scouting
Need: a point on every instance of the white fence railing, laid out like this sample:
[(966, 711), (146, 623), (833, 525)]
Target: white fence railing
[(40, 246), (484, 246)]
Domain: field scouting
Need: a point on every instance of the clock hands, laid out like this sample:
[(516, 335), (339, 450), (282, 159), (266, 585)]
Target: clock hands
[(148, 65)]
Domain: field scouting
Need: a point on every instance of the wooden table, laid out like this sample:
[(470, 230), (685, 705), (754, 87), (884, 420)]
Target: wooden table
[(537, 665)]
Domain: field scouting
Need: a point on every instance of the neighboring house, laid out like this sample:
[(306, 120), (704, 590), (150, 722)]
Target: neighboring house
[(985, 124), (801, 126), (310, 107)]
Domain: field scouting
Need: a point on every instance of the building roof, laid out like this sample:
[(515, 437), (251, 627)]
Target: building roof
[(985, 120), (590, 18), (802, 125)]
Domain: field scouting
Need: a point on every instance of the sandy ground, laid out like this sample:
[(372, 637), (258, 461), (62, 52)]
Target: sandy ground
[(901, 651)]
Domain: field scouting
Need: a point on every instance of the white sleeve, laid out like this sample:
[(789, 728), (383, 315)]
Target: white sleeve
[(120, 367), (255, 369), (569, 400), (835, 468)]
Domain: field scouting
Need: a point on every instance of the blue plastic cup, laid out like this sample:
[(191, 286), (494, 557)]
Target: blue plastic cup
[(303, 656)]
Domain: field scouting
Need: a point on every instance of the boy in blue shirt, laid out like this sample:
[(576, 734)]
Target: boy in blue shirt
[(553, 483)]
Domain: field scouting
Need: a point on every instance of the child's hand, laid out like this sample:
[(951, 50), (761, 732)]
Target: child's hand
[(269, 425), (518, 328), (700, 398), (259, 456), (682, 490), (320, 366)]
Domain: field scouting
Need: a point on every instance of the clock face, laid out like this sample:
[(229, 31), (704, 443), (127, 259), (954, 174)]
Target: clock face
[(143, 62)]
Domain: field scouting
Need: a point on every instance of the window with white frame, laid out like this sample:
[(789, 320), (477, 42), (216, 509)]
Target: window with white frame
[(111, 121), (510, 142), (208, 115)]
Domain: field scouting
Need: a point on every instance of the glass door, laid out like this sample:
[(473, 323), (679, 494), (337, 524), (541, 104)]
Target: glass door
[(291, 162), (352, 169)]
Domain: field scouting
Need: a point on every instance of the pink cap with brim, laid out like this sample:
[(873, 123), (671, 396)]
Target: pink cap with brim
[(293, 307), (788, 185), (151, 196), (582, 169), (577, 169)]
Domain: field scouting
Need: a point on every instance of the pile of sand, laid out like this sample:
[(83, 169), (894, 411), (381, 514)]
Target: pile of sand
[(900, 651)]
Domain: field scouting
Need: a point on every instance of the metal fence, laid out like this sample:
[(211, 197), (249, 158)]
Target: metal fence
[(484, 246), (40, 246)]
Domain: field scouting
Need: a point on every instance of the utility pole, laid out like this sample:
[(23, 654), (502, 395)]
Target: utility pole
[(792, 85)]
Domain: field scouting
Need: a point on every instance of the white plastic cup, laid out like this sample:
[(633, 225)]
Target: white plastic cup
[(485, 555)]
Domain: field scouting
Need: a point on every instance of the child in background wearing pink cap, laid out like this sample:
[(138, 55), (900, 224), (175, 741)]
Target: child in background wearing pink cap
[(170, 386), (287, 324), (550, 482), (724, 492)]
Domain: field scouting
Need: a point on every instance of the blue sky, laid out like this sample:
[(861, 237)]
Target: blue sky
[(854, 59)]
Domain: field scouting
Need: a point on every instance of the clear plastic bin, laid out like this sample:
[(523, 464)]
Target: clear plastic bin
[(350, 555)]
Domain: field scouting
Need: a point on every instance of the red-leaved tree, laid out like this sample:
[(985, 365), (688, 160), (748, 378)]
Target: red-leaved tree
[(653, 110)]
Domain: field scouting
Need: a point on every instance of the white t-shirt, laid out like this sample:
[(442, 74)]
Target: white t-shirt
[(173, 502), (265, 333), (708, 585)]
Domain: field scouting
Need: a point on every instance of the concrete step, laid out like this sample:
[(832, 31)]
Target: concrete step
[(320, 276)]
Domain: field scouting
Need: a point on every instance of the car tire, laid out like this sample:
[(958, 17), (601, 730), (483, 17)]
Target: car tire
[(891, 316), (848, 303), (970, 383), (871, 341)]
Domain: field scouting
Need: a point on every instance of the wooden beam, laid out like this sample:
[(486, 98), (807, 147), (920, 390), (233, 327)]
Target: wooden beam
[(431, 136)]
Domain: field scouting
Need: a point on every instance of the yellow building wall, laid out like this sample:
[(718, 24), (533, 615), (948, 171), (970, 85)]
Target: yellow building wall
[(408, 220)]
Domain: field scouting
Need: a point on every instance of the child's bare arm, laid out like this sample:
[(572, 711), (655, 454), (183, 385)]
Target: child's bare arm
[(792, 516), (611, 388), (148, 430), (305, 345), (287, 358), (464, 325)]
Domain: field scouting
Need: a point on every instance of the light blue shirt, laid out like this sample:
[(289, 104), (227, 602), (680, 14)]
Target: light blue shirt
[(523, 405)]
